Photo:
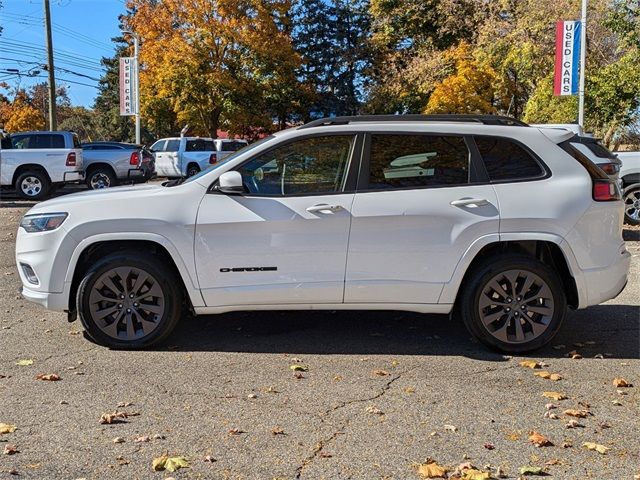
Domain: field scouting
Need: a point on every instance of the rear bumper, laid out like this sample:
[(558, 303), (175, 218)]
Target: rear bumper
[(72, 177), (603, 284)]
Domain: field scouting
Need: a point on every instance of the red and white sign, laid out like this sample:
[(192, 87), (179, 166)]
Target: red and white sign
[(568, 38), (127, 86)]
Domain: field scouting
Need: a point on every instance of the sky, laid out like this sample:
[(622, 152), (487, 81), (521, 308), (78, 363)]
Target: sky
[(82, 32)]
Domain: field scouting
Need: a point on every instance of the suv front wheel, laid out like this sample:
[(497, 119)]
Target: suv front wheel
[(129, 300), (514, 304)]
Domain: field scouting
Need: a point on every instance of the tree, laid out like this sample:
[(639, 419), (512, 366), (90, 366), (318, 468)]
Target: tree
[(21, 115), (39, 97), (84, 122)]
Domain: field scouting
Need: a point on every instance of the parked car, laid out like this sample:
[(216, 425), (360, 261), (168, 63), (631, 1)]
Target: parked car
[(630, 176), (109, 163), (496, 223), (35, 163), (187, 156)]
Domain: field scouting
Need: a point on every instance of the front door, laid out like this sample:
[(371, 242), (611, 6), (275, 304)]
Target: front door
[(284, 241), (416, 212), (167, 158)]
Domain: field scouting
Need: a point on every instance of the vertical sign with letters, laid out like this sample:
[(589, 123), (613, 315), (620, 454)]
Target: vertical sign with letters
[(568, 38), (127, 86)]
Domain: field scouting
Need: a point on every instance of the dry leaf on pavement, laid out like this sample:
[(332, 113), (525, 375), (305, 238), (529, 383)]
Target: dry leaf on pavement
[(430, 469), (539, 440), (380, 373), (531, 470), (141, 438), (621, 383), (473, 474), (10, 449), (573, 424), (24, 363), (548, 375), (572, 412), (277, 431), (299, 368), (118, 440), (49, 377), (171, 464), (114, 417), (531, 364), (236, 431), (557, 396), (374, 410), (596, 446), (7, 428)]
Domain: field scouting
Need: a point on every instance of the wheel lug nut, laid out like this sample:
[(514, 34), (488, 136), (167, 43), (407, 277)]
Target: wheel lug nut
[(507, 309), (119, 305), (509, 300), (121, 296), (516, 314), (128, 310), (523, 307), (135, 304), (131, 295)]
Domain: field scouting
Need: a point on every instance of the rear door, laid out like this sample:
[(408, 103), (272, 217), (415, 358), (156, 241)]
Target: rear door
[(167, 159), (420, 204)]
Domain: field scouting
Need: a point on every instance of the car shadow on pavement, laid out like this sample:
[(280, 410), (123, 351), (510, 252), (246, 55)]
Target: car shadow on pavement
[(613, 328)]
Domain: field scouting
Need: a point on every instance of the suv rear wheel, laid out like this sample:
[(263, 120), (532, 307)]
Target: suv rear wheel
[(514, 304), (33, 185), (129, 300)]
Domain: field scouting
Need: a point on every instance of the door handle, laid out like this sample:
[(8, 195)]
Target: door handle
[(470, 202), (324, 208)]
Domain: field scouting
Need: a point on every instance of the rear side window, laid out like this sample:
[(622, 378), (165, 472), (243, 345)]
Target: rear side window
[(47, 141), (232, 146), (209, 146), (413, 161), (506, 160), (197, 145)]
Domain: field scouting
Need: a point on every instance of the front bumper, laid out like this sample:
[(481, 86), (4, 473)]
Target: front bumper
[(58, 302)]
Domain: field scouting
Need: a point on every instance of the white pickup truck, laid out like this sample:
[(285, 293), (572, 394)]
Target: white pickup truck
[(630, 176), (35, 163), (185, 156)]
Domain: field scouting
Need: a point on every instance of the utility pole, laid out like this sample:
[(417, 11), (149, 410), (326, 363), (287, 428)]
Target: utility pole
[(136, 63), (52, 78), (583, 60)]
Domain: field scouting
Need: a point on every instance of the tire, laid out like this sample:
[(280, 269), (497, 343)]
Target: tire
[(33, 185), (154, 313), (192, 170), (631, 197), (101, 177), (545, 295)]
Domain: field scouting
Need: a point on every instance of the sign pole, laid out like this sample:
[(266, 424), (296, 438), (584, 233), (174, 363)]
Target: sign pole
[(137, 86), (583, 59)]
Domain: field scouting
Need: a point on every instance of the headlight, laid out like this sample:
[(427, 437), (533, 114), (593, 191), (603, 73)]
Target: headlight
[(43, 222)]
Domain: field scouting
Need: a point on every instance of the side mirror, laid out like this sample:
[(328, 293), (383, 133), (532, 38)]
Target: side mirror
[(230, 182)]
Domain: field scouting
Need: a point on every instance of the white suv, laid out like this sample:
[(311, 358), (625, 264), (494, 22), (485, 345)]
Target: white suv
[(476, 215)]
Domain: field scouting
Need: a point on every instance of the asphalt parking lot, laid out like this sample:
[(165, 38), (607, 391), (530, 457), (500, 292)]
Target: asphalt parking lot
[(383, 393)]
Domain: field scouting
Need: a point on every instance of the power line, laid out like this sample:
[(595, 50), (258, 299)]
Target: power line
[(20, 74)]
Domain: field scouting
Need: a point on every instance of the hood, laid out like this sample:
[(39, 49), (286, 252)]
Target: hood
[(97, 196)]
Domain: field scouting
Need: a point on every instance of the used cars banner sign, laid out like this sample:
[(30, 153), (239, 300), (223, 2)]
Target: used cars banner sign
[(127, 92), (568, 38)]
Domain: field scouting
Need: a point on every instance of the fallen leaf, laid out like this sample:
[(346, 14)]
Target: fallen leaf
[(278, 431), (573, 424), (142, 438), (501, 472), (325, 455), (548, 375), (599, 356), (10, 449), (157, 436), (409, 390), (373, 410), (123, 404), (430, 469), (118, 440), (539, 440), (576, 356), (513, 436), (49, 377), (252, 396), (531, 470), (450, 428), (550, 415), (577, 413), (566, 445), (596, 446), (115, 417), (473, 474), (169, 463), (122, 461), (621, 383), (617, 403), (550, 406), (209, 458), (489, 446), (557, 396), (299, 368), (7, 428), (531, 364), (24, 363), (380, 373), (235, 431)]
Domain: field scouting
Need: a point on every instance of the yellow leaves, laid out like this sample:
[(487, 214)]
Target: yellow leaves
[(577, 413), (557, 396), (549, 376), (25, 362), (299, 368), (7, 428), (430, 469), (539, 440), (473, 474), (601, 449), (168, 463), (621, 383), (530, 364), (23, 117)]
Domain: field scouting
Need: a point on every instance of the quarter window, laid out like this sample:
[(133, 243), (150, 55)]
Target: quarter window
[(506, 160), (414, 161), (309, 166)]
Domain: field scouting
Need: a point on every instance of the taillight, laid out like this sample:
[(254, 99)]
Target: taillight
[(609, 168), (213, 158), (605, 191), (134, 159), (71, 159)]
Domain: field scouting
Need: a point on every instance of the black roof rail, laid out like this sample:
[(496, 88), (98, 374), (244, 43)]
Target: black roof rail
[(483, 119)]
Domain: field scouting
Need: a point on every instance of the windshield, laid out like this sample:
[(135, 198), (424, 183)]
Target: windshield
[(234, 155)]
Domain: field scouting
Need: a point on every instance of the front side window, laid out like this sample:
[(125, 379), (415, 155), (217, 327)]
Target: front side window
[(506, 160), (414, 161), (172, 146), (159, 146), (309, 166)]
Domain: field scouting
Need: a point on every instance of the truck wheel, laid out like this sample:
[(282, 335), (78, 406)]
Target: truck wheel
[(632, 204), (33, 185), (514, 303), (101, 177), (192, 170), (129, 300)]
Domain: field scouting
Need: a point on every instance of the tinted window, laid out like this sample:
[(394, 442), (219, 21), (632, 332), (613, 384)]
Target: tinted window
[(172, 146), (412, 161), (232, 146), (5, 142), (506, 160), (197, 145), (312, 165), (20, 141), (46, 141), (76, 141), (209, 146), (158, 146)]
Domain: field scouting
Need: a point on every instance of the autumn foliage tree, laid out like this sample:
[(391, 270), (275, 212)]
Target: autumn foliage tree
[(20, 115), (216, 64)]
